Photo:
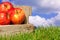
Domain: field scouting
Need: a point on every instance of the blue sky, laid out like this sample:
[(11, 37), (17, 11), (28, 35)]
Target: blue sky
[(44, 12)]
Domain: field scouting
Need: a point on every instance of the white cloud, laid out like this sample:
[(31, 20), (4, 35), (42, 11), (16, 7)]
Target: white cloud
[(38, 21), (48, 6), (54, 20), (51, 5), (55, 4)]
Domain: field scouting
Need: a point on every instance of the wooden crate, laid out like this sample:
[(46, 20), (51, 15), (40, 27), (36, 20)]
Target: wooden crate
[(26, 27)]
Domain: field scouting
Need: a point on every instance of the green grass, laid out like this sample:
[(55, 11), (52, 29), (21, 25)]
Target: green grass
[(41, 33)]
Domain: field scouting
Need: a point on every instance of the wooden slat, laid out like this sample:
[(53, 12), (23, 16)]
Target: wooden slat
[(11, 29)]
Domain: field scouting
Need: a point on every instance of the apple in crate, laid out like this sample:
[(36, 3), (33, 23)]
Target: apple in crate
[(17, 15), (4, 18), (5, 6)]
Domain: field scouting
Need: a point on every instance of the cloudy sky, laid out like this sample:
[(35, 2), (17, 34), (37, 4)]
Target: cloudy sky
[(44, 12)]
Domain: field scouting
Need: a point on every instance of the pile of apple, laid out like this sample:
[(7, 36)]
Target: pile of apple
[(10, 15)]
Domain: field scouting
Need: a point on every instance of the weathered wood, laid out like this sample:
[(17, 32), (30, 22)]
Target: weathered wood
[(12, 29)]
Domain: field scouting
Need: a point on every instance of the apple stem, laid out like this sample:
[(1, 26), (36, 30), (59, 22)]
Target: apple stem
[(16, 11), (5, 5)]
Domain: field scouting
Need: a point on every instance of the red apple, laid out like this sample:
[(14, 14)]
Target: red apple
[(17, 15), (5, 6), (4, 18)]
